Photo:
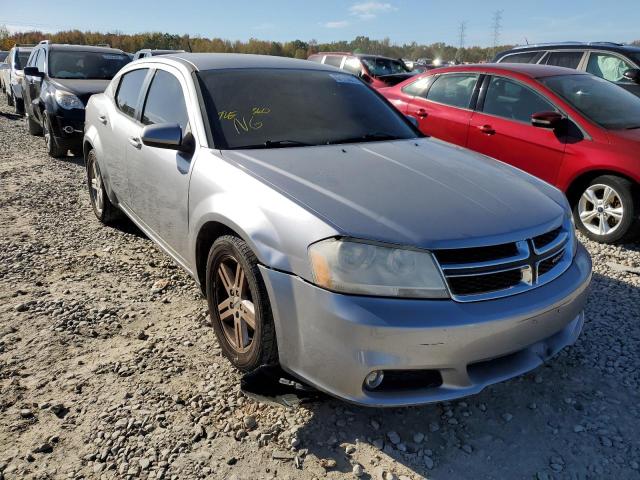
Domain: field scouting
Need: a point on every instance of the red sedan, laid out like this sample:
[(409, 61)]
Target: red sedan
[(572, 129)]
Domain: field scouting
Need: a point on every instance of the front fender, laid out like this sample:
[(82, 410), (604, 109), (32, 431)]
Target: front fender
[(277, 229)]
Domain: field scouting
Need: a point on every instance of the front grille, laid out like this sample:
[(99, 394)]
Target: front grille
[(484, 272), (491, 282), (545, 239), (477, 254)]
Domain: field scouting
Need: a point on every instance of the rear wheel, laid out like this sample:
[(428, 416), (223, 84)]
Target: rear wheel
[(18, 107), (607, 210), (239, 305), (33, 126), (53, 149), (9, 98), (104, 210)]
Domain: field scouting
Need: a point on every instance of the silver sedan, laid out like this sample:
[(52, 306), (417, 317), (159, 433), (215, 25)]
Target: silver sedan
[(329, 235)]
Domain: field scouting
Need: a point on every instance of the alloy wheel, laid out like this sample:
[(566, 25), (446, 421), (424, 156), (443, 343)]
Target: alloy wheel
[(95, 184), (236, 308), (600, 209)]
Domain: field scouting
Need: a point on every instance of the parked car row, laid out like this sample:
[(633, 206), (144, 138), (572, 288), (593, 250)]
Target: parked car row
[(328, 232)]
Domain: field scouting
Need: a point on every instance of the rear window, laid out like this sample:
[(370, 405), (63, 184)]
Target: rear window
[(524, 57), (85, 64), (333, 60)]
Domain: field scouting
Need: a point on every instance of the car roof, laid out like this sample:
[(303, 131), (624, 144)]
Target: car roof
[(527, 69), (82, 48), (609, 46), (218, 61)]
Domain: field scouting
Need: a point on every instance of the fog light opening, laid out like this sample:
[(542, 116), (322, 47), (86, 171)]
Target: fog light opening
[(68, 129), (374, 379)]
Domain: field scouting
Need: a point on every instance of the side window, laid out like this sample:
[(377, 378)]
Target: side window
[(453, 89), (524, 57), (333, 60), (40, 60), (352, 65), (508, 99), (165, 101), (564, 59), (129, 91), (315, 58), (607, 66), (419, 87)]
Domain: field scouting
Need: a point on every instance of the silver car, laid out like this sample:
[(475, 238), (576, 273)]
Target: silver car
[(328, 235)]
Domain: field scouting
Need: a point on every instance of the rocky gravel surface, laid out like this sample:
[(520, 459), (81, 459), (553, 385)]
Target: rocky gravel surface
[(109, 369)]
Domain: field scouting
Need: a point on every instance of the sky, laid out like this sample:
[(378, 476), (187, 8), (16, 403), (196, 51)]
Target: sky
[(403, 21)]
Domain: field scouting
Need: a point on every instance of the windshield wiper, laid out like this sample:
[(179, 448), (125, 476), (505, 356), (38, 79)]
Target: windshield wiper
[(369, 137)]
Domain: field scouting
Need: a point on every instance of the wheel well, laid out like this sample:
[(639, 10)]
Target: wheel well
[(580, 183), (86, 148), (206, 236)]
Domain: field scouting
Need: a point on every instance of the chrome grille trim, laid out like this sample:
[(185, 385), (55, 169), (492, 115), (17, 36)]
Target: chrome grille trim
[(558, 253)]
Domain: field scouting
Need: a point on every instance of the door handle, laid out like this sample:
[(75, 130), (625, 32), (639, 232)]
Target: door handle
[(103, 119), (422, 113), (135, 142), (486, 129)]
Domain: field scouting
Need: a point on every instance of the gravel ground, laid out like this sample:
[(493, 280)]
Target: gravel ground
[(109, 369)]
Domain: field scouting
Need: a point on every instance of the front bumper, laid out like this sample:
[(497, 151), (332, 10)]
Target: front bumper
[(333, 341), (68, 129)]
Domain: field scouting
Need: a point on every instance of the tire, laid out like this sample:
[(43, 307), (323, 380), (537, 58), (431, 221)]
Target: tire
[(33, 127), (9, 98), (18, 107), (102, 207), (247, 347), (607, 210), (53, 149)]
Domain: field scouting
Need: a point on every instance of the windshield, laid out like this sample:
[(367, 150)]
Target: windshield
[(85, 65), (384, 66), (269, 108), (601, 101), (21, 59)]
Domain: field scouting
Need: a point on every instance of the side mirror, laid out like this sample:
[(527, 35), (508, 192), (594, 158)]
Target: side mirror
[(413, 120), (633, 74), (167, 136), (32, 72), (549, 120)]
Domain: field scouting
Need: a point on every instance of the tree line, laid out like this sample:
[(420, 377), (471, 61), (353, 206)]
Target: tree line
[(296, 48)]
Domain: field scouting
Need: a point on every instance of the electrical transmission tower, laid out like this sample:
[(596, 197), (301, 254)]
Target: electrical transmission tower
[(462, 37), (497, 29)]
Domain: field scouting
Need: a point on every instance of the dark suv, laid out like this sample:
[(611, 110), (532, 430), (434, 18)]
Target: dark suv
[(615, 62), (376, 70), (58, 81)]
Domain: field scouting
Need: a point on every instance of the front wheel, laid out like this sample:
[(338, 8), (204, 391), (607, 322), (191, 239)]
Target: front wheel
[(239, 305), (53, 149), (9, 98), (32, 126), (18, 106), (607, 210)]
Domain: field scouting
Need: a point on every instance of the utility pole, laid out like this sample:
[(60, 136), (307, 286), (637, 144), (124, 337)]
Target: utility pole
[(462, 37), (497, 29)]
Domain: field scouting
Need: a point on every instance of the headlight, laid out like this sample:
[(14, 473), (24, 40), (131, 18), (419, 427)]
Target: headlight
[(352, 266), (67, 100)]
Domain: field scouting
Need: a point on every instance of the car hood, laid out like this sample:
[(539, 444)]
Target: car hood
[(424, 192), (81, 88)]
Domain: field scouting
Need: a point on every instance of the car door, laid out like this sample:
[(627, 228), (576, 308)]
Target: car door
[(501, 128), (159, 178), (611, 67), (444, 109), (116, 124)]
